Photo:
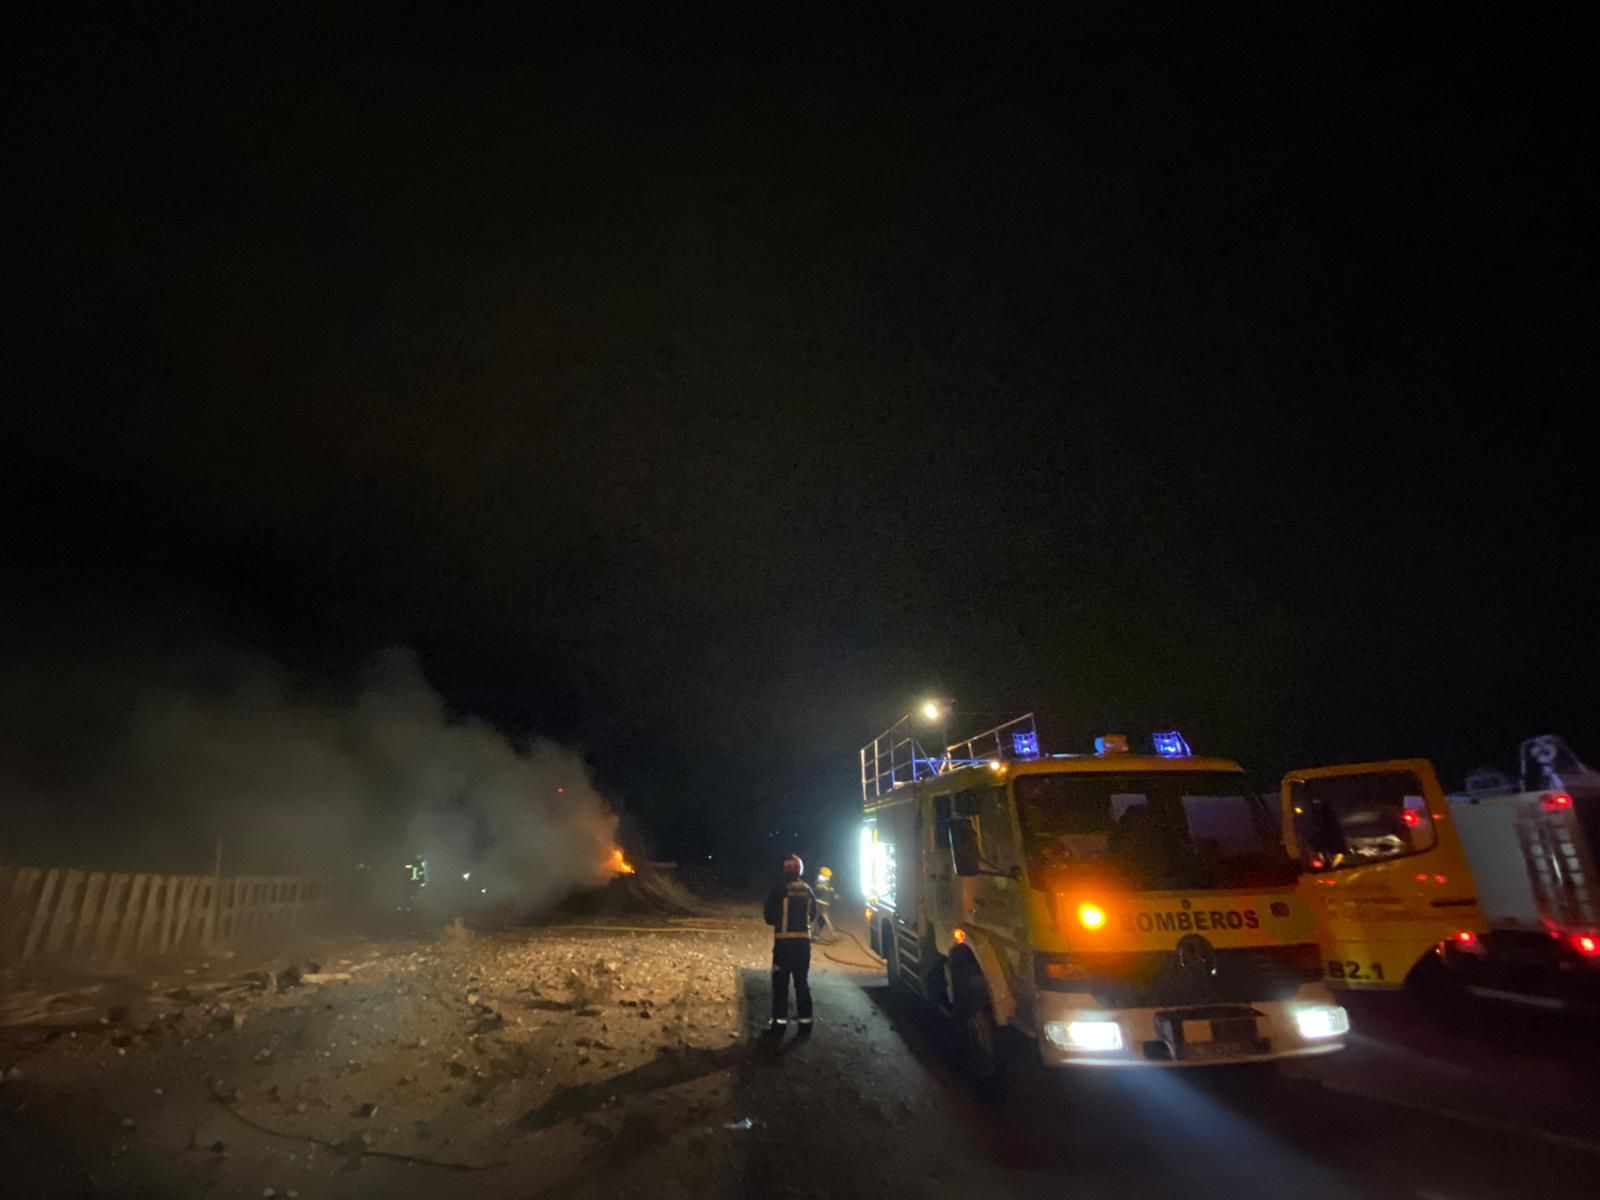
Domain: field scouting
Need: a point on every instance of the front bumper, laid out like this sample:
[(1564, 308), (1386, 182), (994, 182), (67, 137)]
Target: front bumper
[(1075, 1032)]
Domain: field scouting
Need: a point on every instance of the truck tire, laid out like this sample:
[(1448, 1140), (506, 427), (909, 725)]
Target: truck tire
[(981, 1050)]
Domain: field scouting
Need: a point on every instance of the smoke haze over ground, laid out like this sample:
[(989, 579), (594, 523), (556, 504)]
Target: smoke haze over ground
[(140, 760)]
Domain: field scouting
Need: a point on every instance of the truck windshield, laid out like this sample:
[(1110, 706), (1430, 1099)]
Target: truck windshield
[(1162, 830)]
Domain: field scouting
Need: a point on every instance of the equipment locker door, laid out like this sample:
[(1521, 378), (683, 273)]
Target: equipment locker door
[(1382, 865)]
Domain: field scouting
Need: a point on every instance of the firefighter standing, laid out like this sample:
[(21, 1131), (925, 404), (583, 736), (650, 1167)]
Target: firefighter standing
[(791, 908), (822, 926)]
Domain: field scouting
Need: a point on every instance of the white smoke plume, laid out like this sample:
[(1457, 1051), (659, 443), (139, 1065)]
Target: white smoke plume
[(297, 781)]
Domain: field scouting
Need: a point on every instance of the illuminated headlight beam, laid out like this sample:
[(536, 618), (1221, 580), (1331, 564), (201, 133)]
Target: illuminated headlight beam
[(1324, 1021)]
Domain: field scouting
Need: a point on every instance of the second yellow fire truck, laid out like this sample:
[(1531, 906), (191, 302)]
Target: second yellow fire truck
[(1115, 908)]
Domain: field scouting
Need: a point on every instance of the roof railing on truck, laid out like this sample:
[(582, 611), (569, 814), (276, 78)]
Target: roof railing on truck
[(896, 756)]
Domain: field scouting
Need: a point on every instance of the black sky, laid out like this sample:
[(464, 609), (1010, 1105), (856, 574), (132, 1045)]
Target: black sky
[(701, 391)]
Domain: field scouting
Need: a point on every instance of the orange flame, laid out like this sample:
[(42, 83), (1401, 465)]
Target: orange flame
[(618, 864)]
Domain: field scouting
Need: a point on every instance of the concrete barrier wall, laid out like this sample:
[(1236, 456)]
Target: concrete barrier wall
[(61, 913)]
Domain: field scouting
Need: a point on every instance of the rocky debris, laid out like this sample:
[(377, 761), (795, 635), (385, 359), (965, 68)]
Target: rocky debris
[(356, 1143), (496, 1028), (266, 980), (591, 986)]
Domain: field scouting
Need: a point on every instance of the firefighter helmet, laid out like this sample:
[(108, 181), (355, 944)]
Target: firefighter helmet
[(793, 867)]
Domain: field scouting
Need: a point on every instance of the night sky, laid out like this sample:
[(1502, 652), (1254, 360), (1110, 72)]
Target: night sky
[(701, 394)]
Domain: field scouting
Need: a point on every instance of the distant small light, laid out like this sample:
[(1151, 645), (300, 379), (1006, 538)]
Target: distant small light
[(561, 791), (960, 935), (1556, 801), (996, 765), (1439, 879), (1466, 937), (485, 891), (466, 874), (1411, 818), (931, 711)]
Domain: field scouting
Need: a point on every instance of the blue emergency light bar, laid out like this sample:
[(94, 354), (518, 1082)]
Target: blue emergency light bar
[(1025, 743), (1170, 744)]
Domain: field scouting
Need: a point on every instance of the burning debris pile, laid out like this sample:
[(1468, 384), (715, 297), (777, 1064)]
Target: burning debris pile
[(643, 890)]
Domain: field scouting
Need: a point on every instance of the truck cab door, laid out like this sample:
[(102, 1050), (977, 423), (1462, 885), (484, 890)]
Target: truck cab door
[(1381, 864)]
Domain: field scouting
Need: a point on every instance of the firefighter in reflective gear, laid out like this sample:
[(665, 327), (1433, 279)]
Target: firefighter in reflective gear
[(822, 926), (791, 908)]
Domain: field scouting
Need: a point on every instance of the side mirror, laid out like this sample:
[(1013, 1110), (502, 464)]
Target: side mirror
[(964, 853)]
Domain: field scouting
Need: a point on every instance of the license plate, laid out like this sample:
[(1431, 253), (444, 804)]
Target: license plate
[(1240, 1049), (1234, 1029)]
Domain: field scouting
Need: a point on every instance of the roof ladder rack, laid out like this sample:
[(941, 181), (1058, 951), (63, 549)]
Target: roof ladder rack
[(895, 757)]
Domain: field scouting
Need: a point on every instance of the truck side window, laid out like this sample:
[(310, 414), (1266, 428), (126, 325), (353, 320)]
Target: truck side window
[(994, 822), (1344, 821), (941, 822)]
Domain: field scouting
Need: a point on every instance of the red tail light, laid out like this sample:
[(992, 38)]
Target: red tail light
[(1556, 801), (1586, 944), (1465, 937), (1411, 818)]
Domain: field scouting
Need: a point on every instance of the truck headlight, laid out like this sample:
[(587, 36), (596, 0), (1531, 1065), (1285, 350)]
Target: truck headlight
[(1090, 1037), (1323, 1021)]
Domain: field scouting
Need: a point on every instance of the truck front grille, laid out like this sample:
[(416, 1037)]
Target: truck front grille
[(1159, 979)]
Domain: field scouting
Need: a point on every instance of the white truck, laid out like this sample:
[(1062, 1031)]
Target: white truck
[(1533, 845)]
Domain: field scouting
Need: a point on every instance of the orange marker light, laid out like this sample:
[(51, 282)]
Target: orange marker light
[(960, 935), (1091, 916)]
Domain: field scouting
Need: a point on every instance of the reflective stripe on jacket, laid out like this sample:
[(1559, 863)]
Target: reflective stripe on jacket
[(791, 907)]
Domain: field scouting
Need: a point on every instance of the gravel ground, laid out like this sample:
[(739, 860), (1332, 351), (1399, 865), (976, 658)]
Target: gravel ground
[(597, 1061), (526, 1059)]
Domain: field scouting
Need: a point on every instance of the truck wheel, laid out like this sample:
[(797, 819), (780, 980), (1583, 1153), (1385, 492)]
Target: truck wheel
[(891, 959), (980, 1036)]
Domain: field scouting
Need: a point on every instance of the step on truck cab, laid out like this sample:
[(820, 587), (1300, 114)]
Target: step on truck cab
[(1115, 908)]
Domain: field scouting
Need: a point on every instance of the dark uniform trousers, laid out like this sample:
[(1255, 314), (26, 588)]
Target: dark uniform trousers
[(791, 959)]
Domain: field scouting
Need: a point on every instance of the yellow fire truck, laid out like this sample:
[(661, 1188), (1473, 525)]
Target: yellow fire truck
[(1114, 908), (1383, 865)]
